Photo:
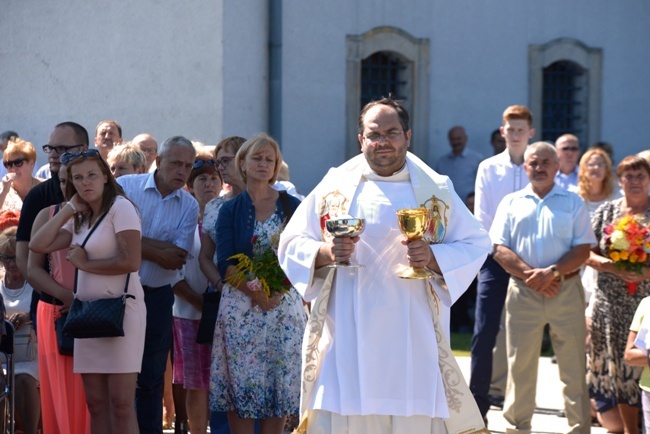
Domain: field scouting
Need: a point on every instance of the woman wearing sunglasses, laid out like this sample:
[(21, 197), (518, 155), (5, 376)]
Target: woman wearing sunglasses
[(192, 360), (108, 366), (19, 159)]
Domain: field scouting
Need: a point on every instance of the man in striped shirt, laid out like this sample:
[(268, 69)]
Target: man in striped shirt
[(169, 216)]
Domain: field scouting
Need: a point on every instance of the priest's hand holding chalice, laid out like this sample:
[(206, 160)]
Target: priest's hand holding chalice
[(414, 223), (346, 232)]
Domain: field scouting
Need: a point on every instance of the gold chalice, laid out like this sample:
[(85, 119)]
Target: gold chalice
[(345, 227), (414, 222)]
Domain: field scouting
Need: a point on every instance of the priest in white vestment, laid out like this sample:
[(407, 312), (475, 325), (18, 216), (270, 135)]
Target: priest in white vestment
[(372, 360)]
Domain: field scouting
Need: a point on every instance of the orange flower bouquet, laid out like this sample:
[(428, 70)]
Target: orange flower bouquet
[(628, 240)]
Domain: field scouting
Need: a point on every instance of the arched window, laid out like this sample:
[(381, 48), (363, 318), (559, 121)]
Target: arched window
[(565, 90), (383, 74), (383, 61), (564, 102)]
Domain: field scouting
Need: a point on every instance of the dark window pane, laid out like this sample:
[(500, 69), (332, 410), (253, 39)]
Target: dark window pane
[(381, 76), (564, 101)]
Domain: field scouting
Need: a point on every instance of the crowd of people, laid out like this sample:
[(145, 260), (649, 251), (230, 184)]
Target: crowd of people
[(528, 228), (550, 213)]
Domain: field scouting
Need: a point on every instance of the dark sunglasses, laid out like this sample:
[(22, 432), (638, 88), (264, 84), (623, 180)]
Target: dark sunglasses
[(200, 163), (18, 162), (59, 149), (68, 157)]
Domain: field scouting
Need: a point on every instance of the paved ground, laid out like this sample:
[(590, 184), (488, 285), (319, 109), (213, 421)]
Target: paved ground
[(548, 418)]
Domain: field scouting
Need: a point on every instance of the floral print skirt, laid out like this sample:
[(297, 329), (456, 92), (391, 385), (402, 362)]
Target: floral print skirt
[(256, 363)]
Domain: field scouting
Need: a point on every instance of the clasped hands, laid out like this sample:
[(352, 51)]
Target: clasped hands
[(543, 281), (18, 319)]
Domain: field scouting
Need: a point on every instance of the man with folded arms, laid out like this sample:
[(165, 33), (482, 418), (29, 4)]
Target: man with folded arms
[(169, 215), (542, 235)]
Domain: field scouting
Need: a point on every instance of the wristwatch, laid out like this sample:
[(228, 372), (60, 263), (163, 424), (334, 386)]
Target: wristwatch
[(556, 273)]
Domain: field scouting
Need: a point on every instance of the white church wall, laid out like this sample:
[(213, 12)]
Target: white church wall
[(202, 69), (478, 66)]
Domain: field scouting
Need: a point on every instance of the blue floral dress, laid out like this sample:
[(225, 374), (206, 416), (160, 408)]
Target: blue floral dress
[(255, 369)]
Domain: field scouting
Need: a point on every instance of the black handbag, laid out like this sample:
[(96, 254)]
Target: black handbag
[(209, 312), (102, 318), (65, 341)]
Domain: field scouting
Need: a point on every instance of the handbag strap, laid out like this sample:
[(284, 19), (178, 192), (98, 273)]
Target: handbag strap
[(76, 270), (286, 206)]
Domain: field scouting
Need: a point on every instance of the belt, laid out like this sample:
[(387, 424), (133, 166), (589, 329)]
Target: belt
[(47, 298), (569, 275), (154, 288)]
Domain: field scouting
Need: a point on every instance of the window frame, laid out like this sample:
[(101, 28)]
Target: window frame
[(588, 58), (415, 53)]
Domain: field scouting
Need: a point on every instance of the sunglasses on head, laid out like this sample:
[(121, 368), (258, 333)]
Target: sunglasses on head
[(200, 163), (18, 162), (68, 156)]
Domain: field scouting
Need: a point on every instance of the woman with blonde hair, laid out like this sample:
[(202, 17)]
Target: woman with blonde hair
[(19, 159), (255, 371), (596, 185), (596, 179)]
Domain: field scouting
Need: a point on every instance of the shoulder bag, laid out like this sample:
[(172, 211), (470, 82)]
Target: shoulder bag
[(102, 318), (205, 332)]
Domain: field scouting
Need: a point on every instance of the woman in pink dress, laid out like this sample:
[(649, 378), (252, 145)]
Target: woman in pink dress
[(109, 366)]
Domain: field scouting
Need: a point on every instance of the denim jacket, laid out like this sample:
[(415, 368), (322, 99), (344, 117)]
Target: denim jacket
[(235, 226)]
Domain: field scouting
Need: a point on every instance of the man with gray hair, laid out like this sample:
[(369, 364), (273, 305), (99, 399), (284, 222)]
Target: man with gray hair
[(541, 236), (461, 164), (568, 154), (149, 147), (169, 216)]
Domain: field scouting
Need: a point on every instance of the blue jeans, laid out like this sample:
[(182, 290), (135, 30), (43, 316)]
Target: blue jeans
[(490, 298), (158, 340)]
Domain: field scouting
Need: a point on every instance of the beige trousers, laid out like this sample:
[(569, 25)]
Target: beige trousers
[(325, 422), (526, 314)]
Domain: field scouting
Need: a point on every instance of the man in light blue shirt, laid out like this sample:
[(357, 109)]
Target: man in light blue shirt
[(542, 235), (461, 164), (568, 154), (169, 217)]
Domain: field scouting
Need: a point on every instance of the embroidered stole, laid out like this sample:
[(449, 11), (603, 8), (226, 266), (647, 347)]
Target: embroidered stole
[(430, 192)]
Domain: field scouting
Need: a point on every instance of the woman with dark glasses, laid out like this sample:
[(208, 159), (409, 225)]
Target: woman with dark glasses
[(108, 366), (19, 159), (192, 360)]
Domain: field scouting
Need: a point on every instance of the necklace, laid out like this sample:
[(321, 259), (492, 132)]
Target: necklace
[(13, 292)]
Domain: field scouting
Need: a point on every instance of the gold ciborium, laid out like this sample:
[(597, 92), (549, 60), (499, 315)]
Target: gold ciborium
[(414, 222), (345, 227)]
